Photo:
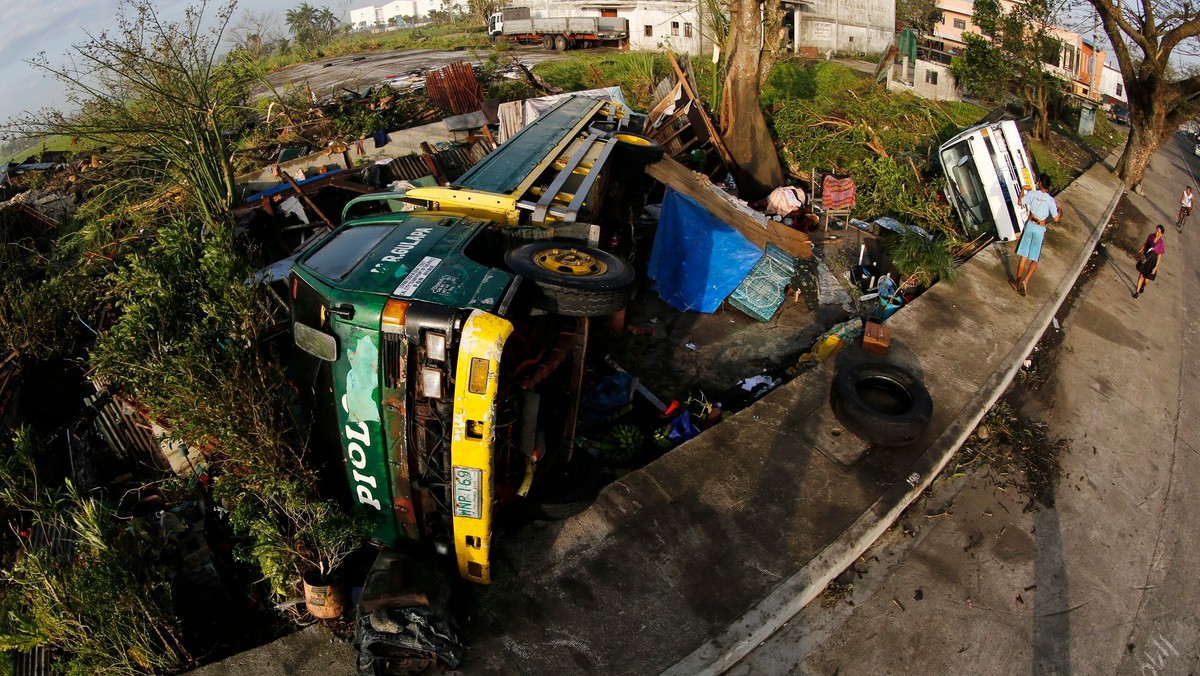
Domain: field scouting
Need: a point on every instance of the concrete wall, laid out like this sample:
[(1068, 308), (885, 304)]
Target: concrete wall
[(854, 26), (400, 143), (925, 79)]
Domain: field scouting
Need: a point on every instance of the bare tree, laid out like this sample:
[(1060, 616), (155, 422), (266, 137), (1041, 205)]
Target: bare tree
[(1147, 38), (753, 46), (257, 33)]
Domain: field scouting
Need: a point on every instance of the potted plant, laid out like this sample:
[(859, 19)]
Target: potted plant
[(923, 259), (296, 539), (325, 535)]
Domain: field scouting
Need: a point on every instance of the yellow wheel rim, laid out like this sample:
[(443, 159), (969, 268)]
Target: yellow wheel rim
[(570, 262), (630, 138)]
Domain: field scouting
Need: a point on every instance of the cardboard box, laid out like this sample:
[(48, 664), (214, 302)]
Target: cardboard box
[(876, 337)]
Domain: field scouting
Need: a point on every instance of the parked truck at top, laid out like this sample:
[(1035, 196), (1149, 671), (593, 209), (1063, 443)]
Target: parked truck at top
[(558, 32)]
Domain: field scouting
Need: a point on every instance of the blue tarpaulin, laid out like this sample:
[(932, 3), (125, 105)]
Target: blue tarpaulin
[(697, 260)]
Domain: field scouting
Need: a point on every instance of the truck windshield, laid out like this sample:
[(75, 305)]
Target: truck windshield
[(966, 184), (339, 256)]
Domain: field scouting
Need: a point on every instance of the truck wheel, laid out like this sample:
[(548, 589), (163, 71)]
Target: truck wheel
[(637, 147), (573, 280), (548, 42), (881, 402), (561, 44)]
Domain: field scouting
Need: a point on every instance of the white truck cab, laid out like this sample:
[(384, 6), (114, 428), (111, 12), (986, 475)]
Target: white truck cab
[(986, 168)]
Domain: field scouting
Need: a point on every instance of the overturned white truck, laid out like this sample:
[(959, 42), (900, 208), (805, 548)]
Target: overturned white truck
[(986, 168)]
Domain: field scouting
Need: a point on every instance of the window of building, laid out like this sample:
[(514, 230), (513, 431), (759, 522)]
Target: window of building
[(648, 31), (1120, 89), (687, 30), (960, 24), (931, 77), (675, 28)]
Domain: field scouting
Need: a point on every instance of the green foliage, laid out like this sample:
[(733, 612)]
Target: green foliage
[(357, 119), (447, 37), (923, 259), (290, 531), (1060, 173), (1106, 137), (82, 582), (637, 73), (310, 25), (156, 95), (1014, 59), (621, 443), (893, 186), (826, 118)]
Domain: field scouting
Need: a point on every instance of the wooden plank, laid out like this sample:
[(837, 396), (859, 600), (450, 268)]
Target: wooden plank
[(687, 89), (307, 200), (716, 202)]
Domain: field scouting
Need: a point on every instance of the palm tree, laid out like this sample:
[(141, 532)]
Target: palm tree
[(300, 21)]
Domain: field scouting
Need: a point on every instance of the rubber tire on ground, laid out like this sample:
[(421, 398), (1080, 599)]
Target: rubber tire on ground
[(548, 42), (571, 295), (881, 427), (638, 147), (561, 44)]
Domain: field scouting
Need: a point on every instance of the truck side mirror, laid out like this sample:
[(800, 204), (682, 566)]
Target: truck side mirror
[(319, 344)]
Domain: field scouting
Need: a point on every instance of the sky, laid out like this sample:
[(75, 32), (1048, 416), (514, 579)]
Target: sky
[(31, 26)]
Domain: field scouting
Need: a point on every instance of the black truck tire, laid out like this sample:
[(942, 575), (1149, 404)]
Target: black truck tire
[(573, 279), (881, 402), (548, 42), (638, 147), (561, 43)]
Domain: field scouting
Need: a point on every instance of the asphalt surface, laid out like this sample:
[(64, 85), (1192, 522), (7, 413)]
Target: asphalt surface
[(334, 75), (1105, 581)]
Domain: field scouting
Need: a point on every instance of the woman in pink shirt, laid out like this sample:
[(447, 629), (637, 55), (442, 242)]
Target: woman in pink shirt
[(1152, 253)]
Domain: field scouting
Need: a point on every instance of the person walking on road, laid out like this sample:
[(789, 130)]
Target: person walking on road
[(1185, 208), (1042, 208), (1151, 254)]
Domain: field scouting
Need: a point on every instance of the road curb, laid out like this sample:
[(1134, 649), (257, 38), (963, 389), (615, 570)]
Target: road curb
[(720, 653)]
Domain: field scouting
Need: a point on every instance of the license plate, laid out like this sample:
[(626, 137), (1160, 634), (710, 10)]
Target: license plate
[(467, 492)]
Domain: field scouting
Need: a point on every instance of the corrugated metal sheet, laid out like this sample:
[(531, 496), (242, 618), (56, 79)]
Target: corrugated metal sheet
[(127, 433), (453, 87), (36, 662), (450, 163)]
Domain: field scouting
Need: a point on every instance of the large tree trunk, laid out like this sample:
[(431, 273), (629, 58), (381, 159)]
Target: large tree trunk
[(753, 42), (1147, 133)]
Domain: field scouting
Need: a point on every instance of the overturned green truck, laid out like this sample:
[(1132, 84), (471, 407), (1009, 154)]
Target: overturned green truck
[(456, 344)]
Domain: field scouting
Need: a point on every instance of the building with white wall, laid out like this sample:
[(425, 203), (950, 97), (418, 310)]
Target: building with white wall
[(811, 27), (394, 13), (1112, 85)]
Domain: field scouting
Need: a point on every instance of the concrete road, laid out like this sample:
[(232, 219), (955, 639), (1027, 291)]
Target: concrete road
[(357, 72), (1104, 582)]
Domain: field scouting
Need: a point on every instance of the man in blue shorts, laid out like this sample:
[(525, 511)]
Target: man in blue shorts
[(1042, 208)]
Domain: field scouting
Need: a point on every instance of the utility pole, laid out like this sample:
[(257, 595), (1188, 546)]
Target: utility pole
[(1096, 64)]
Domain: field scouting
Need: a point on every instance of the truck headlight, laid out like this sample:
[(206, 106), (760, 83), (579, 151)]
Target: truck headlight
[(431, 382), (435, 346)]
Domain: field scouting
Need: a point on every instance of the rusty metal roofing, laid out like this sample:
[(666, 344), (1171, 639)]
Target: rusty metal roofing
[(453, 87)]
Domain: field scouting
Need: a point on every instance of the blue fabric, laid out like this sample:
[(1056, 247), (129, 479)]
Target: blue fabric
[(1030, 245), (697, 260)]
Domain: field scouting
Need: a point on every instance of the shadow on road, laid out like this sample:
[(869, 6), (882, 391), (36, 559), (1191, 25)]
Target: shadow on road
[(1052, 614)]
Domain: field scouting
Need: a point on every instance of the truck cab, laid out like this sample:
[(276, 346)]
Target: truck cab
[(987, 167), (449, 352)]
